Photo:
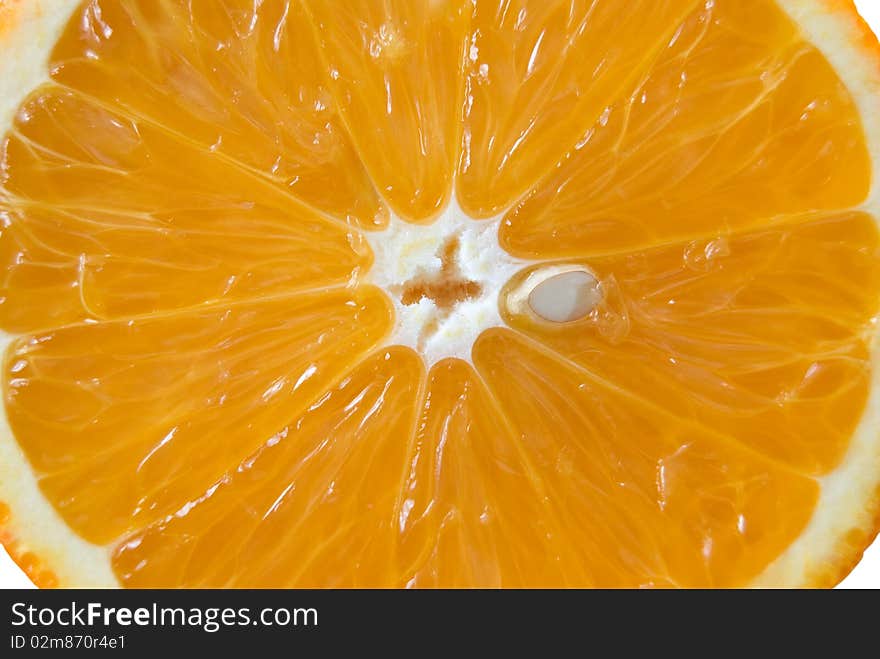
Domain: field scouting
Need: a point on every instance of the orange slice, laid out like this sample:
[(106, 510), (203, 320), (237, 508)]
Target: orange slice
[(439, 293)]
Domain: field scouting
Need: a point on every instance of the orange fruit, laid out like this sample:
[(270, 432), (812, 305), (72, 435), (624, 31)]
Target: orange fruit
[(439, 293)]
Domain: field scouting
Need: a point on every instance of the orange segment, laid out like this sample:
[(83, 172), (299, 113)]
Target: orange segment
[(738, 120), (314, 506), (241, 79), (128, 220), (763, 337), (147, 413), (394, 66), (650, 499), (470, 513), (539, 74)]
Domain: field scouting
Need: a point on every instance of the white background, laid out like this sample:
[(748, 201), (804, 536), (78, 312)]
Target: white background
[(866, 574)]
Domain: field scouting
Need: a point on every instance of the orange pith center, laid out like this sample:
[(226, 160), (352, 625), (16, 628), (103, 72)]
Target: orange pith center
[(201, 379)]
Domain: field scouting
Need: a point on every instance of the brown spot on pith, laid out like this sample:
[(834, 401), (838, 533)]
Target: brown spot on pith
[(446, 288)]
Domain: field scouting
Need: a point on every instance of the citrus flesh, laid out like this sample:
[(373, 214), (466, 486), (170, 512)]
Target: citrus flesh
[(207, 377)]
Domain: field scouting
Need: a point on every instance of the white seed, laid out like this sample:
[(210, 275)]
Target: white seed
[(557, 293), (566, 297)]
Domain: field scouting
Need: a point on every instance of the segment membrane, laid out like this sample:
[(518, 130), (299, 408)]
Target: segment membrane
[(649, 500), (736, 122), (312, 507), (123, 219), (538, 75), (240, 78), (124, 422), (763, 337)]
